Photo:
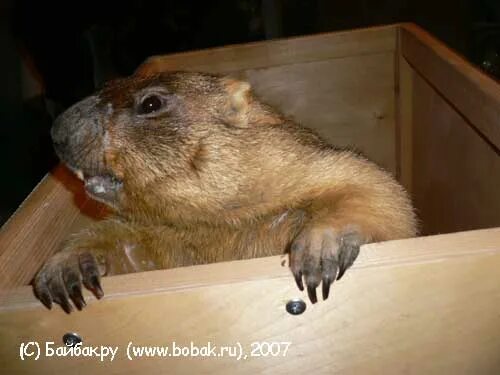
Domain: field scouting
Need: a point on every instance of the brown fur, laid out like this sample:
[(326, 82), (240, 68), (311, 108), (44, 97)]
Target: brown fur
[(217, 175)]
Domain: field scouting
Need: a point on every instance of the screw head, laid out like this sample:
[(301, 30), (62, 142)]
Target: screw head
[(71, 339), (296, 306)]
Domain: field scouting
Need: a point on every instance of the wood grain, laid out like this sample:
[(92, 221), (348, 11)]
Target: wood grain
[(456, 173), (425, 305), (475, 95)]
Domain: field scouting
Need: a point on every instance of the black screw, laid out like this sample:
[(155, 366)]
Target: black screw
[(71, 339), (296, 306)]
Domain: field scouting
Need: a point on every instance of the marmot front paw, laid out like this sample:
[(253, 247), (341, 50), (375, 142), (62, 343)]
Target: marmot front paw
[(322, 254), (61, 279)]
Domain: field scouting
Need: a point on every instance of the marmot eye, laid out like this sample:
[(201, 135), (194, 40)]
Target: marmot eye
[(150, 104)]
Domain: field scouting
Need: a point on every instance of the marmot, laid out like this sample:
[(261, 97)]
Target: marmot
[(198, 170)]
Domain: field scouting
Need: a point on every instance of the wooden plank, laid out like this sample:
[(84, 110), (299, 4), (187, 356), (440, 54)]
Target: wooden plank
[(404, 115), (277, 52), (418, 250), (54, 208), (475, 95), (425, 305), (349, 101), (456, 172)]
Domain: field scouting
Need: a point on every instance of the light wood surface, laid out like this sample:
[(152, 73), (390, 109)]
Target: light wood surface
[(425, 305)]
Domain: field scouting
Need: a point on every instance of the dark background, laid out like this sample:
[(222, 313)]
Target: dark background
[(53, 53)]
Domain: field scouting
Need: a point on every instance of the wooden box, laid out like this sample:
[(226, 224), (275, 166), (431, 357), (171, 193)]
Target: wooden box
[(429, 305)]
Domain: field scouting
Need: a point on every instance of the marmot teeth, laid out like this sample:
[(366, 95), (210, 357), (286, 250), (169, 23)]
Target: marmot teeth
[(79, 174)]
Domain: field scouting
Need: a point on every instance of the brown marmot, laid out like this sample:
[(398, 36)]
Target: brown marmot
[(198, 170)]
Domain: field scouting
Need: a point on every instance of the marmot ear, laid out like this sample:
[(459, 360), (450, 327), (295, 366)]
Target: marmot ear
[(151, 66), (238, 93)]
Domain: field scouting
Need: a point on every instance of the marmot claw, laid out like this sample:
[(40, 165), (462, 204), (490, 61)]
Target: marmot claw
[(61, 278), (319, 255)]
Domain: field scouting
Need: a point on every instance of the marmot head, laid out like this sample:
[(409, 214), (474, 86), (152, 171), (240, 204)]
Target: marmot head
[(141, 141)]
